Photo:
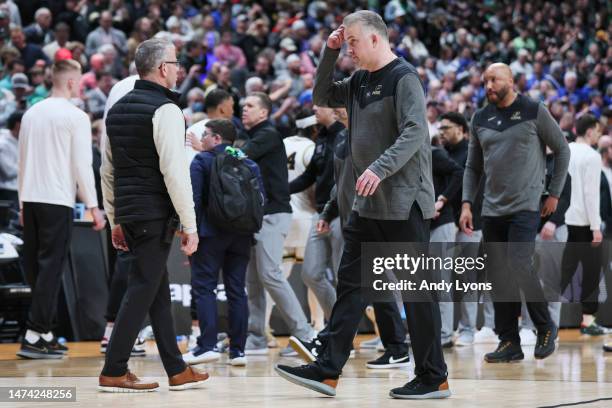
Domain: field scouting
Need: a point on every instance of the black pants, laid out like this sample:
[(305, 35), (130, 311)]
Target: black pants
[(148, 291), (47, 232), (590, 258), (118, 283), (511, 270), (423, 317), (390, 327)]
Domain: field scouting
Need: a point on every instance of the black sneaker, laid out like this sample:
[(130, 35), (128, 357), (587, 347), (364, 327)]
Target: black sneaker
[(389, 360), (506, 352), (448, 344), (546, 343), (57, 346), (608, 347), (307, 350), (39, 350), (416, 389), (308, 376)]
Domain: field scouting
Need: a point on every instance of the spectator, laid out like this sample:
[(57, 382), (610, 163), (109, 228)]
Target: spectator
[(230, 54), (106, 34), (30, 53), (62, 35), (39, 32), (96, 98)]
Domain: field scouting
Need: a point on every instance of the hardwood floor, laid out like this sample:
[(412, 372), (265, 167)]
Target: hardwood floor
[(578, 371)]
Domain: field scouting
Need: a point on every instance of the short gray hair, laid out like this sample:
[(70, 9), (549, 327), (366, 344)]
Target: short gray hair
[(150, 54), (369, 20)]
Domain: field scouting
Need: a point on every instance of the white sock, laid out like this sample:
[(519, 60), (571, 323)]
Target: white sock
[(47, 336), (587, 320), (108, 330), (195, 330), (32, 336)]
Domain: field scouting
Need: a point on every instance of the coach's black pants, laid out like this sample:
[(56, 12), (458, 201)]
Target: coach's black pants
[(509, 242), (423, 317), (118, 283), (148, 291), (47, 230), (591, 260)]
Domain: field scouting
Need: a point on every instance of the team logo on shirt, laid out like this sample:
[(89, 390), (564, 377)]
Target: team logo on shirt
[(377, 90), (516, 116)]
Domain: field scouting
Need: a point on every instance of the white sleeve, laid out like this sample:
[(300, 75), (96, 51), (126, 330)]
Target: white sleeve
[(592, 180), (169, 138), (82, 158)]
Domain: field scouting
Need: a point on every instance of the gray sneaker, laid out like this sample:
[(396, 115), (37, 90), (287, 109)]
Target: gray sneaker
[(288, 352), (255, 346)]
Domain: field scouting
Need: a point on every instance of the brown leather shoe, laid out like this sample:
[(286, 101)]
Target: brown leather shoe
[(190, 378), (126, 383)]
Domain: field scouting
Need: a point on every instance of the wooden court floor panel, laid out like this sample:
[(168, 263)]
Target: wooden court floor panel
[(578, 371)]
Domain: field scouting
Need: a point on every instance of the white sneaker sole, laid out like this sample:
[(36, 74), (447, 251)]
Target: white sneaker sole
[(238, 362), (187, 386), (125, 390), (387, 366), (202, 360)]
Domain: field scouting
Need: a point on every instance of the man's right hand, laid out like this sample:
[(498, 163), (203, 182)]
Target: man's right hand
[(118, 239), (322, 227), (465, 220), (336, 38), (189, 243), (597, 237)]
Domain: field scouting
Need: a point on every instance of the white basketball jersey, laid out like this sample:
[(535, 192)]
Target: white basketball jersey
[(299, 153)]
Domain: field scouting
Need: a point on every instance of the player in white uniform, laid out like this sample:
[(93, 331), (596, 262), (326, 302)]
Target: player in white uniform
[(300, 149)]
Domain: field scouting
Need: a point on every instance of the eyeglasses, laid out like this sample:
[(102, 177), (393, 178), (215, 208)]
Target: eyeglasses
[(177, 63)]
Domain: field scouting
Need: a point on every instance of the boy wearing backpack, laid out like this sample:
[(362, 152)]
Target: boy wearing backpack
[(229, 197)]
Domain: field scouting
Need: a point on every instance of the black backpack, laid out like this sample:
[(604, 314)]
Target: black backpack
[(235, 200)]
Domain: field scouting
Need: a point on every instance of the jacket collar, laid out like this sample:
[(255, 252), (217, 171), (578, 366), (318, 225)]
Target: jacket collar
[(220, 148), (152, 86), (461, 145), (255, 128)]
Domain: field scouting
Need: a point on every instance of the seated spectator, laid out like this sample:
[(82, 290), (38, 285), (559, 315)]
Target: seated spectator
[(39, 32), (228, 53), (106, 34), (30, 53)]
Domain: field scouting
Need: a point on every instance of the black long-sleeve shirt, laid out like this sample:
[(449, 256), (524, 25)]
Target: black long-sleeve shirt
[(459, 152), (320, 170), (606, 206), (265, 147), (447, 178), (558, 217)]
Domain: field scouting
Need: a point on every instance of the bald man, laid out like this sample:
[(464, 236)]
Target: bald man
[(507, 148)]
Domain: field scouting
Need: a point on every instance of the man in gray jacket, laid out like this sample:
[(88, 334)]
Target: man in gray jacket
[(391, 156), (507, 148)]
